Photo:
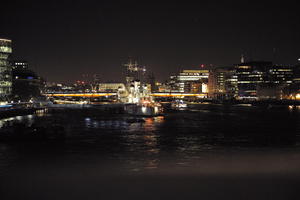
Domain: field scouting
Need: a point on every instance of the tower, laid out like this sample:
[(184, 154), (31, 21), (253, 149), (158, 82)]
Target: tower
[(131, 71), (134, 72)]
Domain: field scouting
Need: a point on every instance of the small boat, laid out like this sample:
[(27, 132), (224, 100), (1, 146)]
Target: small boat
[(179, 104)]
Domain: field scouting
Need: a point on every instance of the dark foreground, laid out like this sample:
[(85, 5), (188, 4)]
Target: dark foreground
[(207, 152)]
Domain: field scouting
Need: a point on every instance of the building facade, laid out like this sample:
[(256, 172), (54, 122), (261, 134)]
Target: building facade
[(263, 80), (250, 75), (190, 81), (5, 69), (26, 84), (222, 83), (278, 78), (134, 72)]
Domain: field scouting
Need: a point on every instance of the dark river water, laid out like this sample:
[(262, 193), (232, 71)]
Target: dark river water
[(206, 152)]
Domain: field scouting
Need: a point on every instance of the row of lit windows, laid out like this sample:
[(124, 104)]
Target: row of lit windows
[(5, 49), (20, 63), (5, 83), (249, 82)]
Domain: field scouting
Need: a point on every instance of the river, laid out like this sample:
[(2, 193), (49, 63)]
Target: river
[(205, 152)]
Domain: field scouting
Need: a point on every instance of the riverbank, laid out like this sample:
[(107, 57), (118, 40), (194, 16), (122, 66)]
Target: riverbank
[(118, 108)]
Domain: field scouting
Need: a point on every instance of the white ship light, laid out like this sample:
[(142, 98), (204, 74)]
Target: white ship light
[(144, 109), (204, 88), (155, 109)]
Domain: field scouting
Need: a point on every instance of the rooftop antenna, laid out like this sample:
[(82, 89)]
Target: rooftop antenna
[(242, 59)]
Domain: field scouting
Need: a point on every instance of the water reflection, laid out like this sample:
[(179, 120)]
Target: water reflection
[(90, 123), (144, 143), (294, 108), (8, 122)]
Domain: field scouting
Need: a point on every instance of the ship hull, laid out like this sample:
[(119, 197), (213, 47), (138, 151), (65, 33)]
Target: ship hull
[(145, 111)]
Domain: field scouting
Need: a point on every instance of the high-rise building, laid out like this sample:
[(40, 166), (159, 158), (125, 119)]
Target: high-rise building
[(222, 83), (26, 84), (278, 78), (216, 82), (134, 72), (190, 81), (292, 89), (5, 69), (296, 74), (281, 74), (250, 75), (263, 80)]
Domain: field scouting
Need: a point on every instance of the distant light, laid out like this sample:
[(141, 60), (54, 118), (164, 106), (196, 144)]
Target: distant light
[(299, 59), (144, 110), (19, 118)]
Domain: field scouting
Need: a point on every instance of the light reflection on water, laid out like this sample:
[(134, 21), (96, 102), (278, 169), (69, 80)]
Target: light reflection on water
[(177, 140), (28, 119)]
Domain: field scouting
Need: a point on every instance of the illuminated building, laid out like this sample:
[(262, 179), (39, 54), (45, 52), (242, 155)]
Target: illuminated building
[(190, 81), (135, 72), (110, 87), (231, 84), (138, 73), (26, 84), (118, 88), (296, 74), (281, 74), (262, 80), (20, 65), (278, 77), (5, 69), (222, 83), (96, 81), (163, 87), (292, 91), (249, 76), (216, 82)]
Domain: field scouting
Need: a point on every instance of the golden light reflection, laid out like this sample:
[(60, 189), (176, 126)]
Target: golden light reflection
[(159, 119), (150, 140), (149, 124), (152, 164)]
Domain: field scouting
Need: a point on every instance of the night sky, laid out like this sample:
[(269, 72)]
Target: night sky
[(64, 39)]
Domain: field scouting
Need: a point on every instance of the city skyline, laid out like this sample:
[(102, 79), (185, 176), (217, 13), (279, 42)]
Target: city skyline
[(58, 38), (147, 100)]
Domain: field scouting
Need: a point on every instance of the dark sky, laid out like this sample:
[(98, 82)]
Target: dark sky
[(64, 39)]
